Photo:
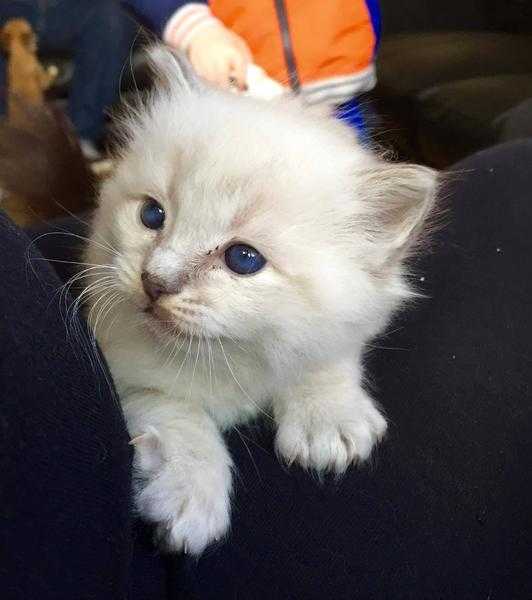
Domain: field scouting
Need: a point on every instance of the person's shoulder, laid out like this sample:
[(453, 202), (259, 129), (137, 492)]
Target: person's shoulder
[(155, 14)]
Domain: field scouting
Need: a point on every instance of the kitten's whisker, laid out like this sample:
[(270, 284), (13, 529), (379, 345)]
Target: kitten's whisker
[(100, 317), (76, 301), (102, 296), (231, 339), (204, 355), (103, 312), (111, 324), (87, 342), (123, 100), (384, 347), (65, 288), (73, 262), (93, 229), (182, 364), (72, 310), (240, 387), (388, 333), (85, 273), (249, 453), (255, 443), (215, 362), (83, 238), (170, 343), (194, 369), (183, 342), (103, 284), (176, 349), (209, 355)]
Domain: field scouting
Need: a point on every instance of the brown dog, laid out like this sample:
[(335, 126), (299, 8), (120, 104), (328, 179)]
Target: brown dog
[(26, 78), (42, 171)]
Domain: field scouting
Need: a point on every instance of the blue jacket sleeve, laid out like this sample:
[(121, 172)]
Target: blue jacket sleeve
[(375, 15), (154, 14)]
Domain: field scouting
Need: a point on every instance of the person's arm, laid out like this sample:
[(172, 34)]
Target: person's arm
[(215, 52), (163, 15), (157, 15)]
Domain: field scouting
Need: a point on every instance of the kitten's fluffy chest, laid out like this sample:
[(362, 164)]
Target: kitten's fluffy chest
[(229, 381)]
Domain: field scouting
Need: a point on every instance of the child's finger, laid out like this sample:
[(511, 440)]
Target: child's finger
[(222, 73), (238, 70)]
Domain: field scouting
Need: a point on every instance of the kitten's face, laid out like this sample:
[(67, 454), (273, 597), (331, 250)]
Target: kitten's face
[(237, 219), (207, 251)]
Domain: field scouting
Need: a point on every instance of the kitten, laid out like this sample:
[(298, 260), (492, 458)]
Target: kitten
[(243, 254)]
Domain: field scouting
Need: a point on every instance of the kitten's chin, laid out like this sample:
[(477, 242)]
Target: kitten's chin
[(163, 324)]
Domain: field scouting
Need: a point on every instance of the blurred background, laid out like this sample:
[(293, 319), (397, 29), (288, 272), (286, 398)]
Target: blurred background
[(453, 76)]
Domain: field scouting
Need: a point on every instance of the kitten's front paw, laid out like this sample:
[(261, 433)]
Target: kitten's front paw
[(330, 441), (188, 499)]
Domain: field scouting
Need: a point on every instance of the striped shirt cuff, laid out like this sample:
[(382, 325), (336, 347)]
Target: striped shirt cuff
[(186, 22), (337, 90)]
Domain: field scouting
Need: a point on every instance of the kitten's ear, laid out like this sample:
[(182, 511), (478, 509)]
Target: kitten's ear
[(396, 200), (172, 70)]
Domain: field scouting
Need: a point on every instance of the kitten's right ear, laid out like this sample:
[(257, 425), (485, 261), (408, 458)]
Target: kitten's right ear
[(396, 199), (172, 70)]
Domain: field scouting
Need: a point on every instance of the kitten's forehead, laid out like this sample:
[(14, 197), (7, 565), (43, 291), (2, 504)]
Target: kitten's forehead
[(219, 205), (232, 139), (225, 164)]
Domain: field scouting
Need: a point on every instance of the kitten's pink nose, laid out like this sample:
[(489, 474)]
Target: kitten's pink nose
[(153, 286)]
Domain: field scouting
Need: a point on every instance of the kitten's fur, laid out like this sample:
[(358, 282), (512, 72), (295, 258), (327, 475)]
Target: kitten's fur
[(335, 224)]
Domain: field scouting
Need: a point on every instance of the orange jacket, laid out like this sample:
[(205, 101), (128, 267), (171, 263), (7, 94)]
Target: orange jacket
[(323, 47)]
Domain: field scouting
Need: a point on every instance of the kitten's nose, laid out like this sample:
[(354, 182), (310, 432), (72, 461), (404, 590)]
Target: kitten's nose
[(153, 286)]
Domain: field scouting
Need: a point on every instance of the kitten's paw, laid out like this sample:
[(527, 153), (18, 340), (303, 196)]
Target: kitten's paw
[(332, 441), (188, 500)]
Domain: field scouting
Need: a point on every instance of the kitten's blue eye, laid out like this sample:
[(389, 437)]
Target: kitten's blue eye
[(243, 259), (152, 214)]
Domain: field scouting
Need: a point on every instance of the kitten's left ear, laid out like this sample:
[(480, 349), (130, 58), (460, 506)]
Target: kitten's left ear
[(172, 70), (395, 202)]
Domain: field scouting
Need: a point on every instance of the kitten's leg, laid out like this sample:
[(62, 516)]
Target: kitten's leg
[(327, 420), (182, 470)]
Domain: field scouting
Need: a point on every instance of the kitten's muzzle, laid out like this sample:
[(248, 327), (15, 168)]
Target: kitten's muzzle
[(155, 286)]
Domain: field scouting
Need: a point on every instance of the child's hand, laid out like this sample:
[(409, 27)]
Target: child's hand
[(219, 56)]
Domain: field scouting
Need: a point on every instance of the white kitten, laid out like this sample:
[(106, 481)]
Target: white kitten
[(212, 185)]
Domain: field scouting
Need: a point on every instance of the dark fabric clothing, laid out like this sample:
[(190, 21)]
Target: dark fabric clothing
[(98, 34), (65, 524), (155, 15), (443, 510)]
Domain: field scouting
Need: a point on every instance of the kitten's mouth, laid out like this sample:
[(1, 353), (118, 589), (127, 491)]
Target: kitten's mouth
[(159, 314), (162, 321)]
